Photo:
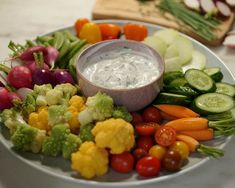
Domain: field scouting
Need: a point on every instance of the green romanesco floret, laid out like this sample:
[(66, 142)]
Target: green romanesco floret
[(11, 119), (70, 145), (54, 97), (85, 132), (40, 93), (68, 90), (99, 107), (122, 112), (29, 104), (58, 114), (52, 145), (27, 138)]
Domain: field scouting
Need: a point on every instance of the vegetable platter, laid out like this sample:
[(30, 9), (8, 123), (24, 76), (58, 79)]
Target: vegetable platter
[(60, 167)]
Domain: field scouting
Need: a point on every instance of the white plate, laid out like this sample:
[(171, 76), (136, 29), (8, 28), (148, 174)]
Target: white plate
[(60, 167)]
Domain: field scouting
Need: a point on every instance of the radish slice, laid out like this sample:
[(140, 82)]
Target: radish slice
[(229, 41), (231, 3), (208, 6), (192, 4), (223, 9)]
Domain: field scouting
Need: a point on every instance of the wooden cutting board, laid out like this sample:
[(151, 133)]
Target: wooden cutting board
[(147, 12)]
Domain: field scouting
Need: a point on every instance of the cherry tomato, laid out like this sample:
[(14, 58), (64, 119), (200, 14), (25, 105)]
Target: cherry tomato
[(146, 129), (157, 151), (182, 148), (136, 118), (152, 114), (79, 23), (135, 31), (123, 162), (110, 31), (172, 161), (165, 136), (145, 142), (90, 32), (148, 166), (139, 153)]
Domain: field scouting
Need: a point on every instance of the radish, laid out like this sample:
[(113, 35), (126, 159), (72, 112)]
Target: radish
[(208, 6), (4, 98), (60, 76), (229, 41), (51, 56), (223, 9), (20, 76), (14, 97), (231, 3), (192, 4), (33, 66), (23, 92)]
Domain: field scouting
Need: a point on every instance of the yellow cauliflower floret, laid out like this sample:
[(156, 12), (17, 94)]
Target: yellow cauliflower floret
[(115, 134), (90, 160), (77, 104), (39, 119)]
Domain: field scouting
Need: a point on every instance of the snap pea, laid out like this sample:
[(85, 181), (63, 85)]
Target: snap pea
[(64, 49), (30, 43), (58, 40), (43, 39), (70, 36)]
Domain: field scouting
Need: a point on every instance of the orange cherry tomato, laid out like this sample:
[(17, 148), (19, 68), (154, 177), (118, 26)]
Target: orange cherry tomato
[(110, 31), (90, 32), (165, 136), (79, 23), (135, 31)]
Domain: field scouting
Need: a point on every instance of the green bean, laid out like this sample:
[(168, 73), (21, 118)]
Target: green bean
[(58, 40)]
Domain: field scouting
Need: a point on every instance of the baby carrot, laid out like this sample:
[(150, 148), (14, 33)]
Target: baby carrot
[(200, 135), (188, 124), (177, 111), (195, 146), (167, 116)]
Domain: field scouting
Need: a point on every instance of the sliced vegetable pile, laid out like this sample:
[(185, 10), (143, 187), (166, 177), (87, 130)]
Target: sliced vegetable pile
[(45, 112)]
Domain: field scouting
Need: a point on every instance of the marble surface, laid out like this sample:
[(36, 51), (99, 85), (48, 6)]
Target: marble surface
[(20, 20)]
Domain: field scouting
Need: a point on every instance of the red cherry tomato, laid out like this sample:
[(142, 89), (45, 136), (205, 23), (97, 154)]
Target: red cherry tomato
[(152, 114), (165, 136), (123, 162), (136, 118), (146, 129), (145, 142), (139, 153), (148, 166)]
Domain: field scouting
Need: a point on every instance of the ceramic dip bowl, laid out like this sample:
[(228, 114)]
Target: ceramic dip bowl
[(129, 71)]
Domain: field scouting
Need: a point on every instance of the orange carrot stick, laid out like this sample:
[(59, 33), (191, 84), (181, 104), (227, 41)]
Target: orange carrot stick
[(177, 111), (200, 135), (167, 116), (192, 143), (188, 124)]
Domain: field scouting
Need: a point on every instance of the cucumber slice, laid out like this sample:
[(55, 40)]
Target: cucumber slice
[(171, 76), (171, 98), (178, 82), (173, 64), (215, 73), (183, 90), (211, 103), (171, 52), (198, 61), (167, 35), (199, 80), (185, 48), (157, 44), (225, 88)]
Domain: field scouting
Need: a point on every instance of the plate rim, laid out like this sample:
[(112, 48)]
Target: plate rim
[(124, 183)]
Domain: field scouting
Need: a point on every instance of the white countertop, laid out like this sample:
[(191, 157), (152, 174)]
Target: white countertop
[(21, 20)]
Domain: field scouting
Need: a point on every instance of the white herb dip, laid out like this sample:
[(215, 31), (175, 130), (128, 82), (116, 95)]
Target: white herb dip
[(121, 69)]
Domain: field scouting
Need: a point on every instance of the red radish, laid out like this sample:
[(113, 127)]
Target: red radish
[(41, 76), (14, 97), (51, 56), (60, 76), (207, 6), (33, 66), (27, 55), (223, 9), (23, 92), (192, 4), (20, 76), (4, 98), (231, 3), (229, 41)]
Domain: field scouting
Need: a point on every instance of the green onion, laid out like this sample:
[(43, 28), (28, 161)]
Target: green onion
[(199, 24)]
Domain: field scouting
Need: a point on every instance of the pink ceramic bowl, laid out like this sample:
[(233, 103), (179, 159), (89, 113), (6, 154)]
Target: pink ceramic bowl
[(134, 98)]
